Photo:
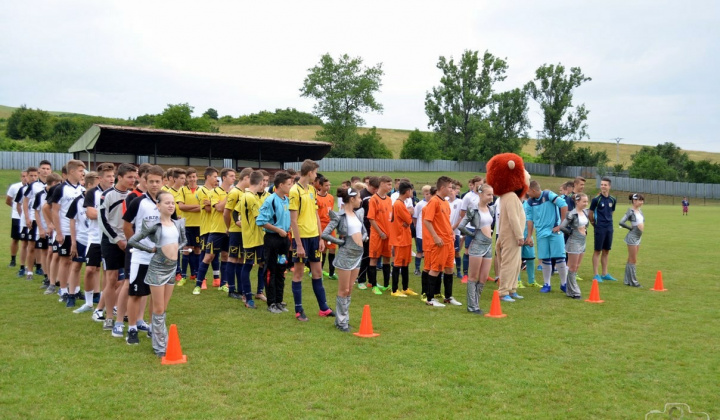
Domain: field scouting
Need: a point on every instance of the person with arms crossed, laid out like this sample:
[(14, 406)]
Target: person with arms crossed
[(602, 207)]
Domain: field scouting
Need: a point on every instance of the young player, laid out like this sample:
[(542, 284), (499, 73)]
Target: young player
[(325, 203), (637, 225), (62, 200), (441, 252), (685, 204), (43, 239), (79, 234), (371, 186), (455, 205), (234, 264), (601, 217), (480, 249), (25, 224), (401, 240), (274, 217), (306, 245), (575, 226), (113, 242), (213, 199), (527, 254), (417, 221), (189, 205), (167, 236), (469, 201), (543, 218), (46, 210), (351, 234), (43, 170), (179, 175), (15, 219), (379, 214), (245, 214)]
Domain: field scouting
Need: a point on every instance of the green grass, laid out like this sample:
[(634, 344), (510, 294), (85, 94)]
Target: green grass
[(552, 357)]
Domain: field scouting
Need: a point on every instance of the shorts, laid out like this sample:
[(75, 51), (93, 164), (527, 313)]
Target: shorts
[(138, 287), (603, 238), (552, 246), (81, 250), (31, 232), (203, 241), (442, 257), (113, 258), (64, 249), (312, 250), (15, 229), (41, 243), (235, 246), (457, 243), (418, 245), (93, 256), (528, 252), (217, 243), (330, 245), (192, 233), (24, 232), (54, 246), (255, 255), (402, 256), (379, 247)]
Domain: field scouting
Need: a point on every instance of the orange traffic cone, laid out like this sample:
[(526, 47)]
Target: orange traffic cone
[(659, 283), (594, 293), (366, 328), (495, 309), (204, 285), (173, 354)]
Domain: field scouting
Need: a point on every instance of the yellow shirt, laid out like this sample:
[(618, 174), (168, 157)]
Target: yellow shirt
[(248, 208), (303, 201), (232, 200), (203, 194), (176, 197), (217, 221), (187, 196)]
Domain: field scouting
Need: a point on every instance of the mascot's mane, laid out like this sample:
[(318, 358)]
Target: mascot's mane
[(506, 173)]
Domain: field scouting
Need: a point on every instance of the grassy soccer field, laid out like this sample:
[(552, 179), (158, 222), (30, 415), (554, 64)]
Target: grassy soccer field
[(552, 357)]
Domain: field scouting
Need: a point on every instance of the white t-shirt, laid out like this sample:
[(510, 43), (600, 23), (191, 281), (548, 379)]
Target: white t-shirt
[(455, 213), (470, 201), (12, 192), (497, 216), (418, 218)]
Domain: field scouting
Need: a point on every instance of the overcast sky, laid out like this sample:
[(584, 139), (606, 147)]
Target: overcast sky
[(654, 64)]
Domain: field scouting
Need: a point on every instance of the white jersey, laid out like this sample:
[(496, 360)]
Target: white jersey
[(497, 216), (30, 192), (455, 213), (40, 200), (142, 209), (92, 199), (418, 218), (470, 201), (408, 201), (17, 205), (64, 196), (12, 192), (78, 212)]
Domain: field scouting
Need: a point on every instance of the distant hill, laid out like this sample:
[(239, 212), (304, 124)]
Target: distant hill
[(394, 138)]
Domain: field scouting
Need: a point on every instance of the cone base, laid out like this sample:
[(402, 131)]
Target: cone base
[(182, 360), (594, 301), (357, 334), (659, 290), (496, 316)]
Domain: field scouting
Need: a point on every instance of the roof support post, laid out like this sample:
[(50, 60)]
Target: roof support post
[(259, 158), (155, 156), (210, 157)]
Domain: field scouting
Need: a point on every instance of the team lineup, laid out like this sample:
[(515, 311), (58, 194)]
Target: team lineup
[(147, 230)]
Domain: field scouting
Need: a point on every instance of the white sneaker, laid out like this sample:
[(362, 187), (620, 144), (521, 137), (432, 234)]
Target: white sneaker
[(84, 308), (436, 303), (451, 300), (98, 316)]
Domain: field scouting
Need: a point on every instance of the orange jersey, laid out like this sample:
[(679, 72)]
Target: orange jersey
[(380, 210), (324, 204), (400, 226), (437, 212)]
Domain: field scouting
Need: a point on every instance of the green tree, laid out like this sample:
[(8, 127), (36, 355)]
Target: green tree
[(507, 124), (211, 113), (29, 123), (12, 129), (423, 146), (343, 90), (370, 145), (457, 107), (553, 89), (704, 172), (652, 166), (179, 117), (584, 156)]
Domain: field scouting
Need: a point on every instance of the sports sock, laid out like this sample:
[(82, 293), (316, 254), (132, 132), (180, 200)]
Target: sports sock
[(386, 275), (63, 291), (297, 295), (202, 271), (418, 260), (405, 271), (229, 275), (448, 282), (465, 263), (77, 290), (245, 279), (322, 261), (372, 275), (458, 265), (238, 277), (22, 267), (261, 279), (89, 298), (185, 264), (432, 281), (194, 263), (132, 328), (424, 282), (562, 271), (531, 271), (319, 289), (37, 267), (547, 272), (12, 258), (331, 267), (395, 278)]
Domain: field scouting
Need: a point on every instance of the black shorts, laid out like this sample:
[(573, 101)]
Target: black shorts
[(93, 257), (137, 286), (24, 233), (216, 243), (112, 256), (192, 233), (81, 250), (42, 243), (32, 232), (255, 255), (15, 229), (312, 250), (64, 249), (128, 261), (203, 241), (236, 245), (603, 238), (55, 246)]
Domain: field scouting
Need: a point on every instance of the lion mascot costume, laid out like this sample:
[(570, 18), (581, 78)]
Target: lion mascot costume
[(510, 181)]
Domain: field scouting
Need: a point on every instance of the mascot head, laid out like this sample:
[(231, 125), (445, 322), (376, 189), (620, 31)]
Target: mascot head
[(506, 173)]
